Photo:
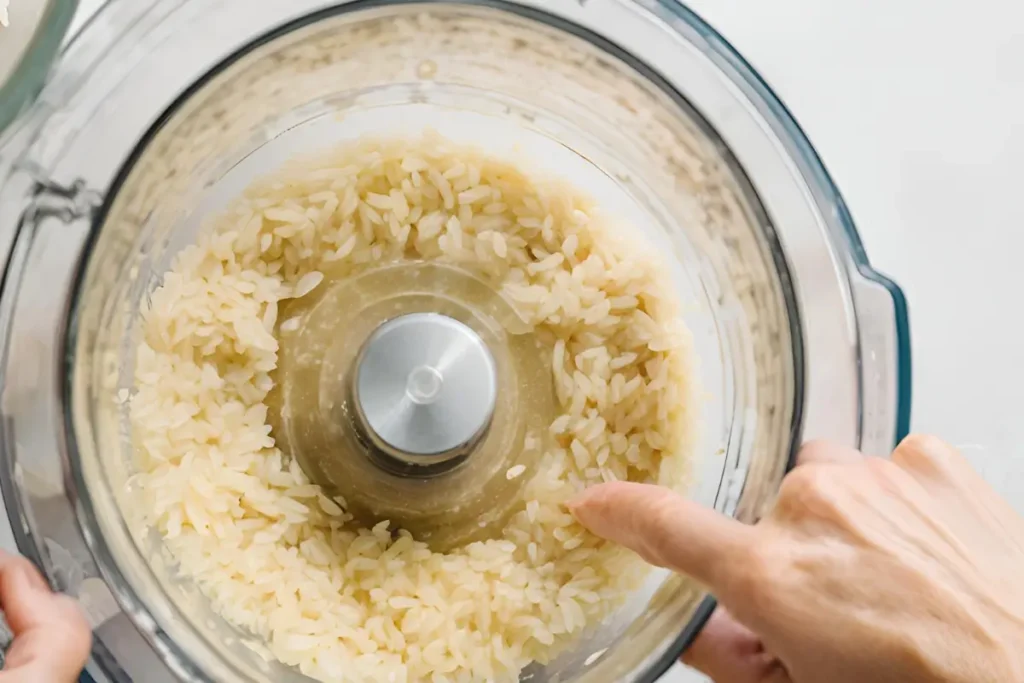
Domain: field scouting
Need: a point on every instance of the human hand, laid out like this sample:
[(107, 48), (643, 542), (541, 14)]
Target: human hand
[(909, 569), (51, 636)]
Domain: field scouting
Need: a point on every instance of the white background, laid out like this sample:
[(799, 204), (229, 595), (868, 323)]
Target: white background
[(917, 108)]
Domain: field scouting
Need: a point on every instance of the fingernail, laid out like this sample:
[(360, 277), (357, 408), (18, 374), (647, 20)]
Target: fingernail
[(578, 501)]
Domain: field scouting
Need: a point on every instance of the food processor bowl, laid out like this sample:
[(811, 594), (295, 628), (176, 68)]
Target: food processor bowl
[(160, 113)]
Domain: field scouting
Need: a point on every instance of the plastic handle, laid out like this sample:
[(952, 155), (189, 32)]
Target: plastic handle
[(885, 372), (38, 511)]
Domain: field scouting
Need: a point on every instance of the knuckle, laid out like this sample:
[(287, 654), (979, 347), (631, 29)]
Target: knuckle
[(924, 443), (805, 483), (815, 450), (798, 479), (816, 490), (924, 451), (881, 468)]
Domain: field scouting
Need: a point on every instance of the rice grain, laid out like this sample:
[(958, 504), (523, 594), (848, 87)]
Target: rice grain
[(279, 558)]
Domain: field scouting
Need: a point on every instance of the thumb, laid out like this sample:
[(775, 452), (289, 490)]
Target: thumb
[(51, 636), (666, 530), (726, 651)]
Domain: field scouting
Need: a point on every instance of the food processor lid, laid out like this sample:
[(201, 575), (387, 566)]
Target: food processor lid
[(63, 155)]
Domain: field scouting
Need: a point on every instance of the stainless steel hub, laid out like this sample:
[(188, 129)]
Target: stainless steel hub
[(423, 393)]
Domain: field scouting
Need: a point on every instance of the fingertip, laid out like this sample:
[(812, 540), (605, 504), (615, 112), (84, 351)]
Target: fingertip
[(596, 500), (52, 637), (56, 645), (664, 528), (605, 510)]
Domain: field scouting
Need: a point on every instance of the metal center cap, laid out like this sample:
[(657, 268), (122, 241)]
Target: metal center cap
[(424, 389)]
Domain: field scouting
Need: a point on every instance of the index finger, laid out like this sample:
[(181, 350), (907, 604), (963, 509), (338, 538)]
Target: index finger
[(666, 530)]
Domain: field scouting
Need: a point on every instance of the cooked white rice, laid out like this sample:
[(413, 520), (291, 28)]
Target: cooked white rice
[(282, 560)]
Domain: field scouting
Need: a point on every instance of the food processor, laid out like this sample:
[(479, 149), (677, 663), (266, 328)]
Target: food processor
[(157, 114)]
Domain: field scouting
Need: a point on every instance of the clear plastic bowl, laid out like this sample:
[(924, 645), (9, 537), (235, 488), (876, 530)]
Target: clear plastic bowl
[(161, 112)]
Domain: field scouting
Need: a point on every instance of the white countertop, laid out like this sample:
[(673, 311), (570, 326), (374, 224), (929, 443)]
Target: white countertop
[(917, 108), (918, 112)]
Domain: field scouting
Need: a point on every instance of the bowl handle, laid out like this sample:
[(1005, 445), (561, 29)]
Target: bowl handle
[(884, 351)]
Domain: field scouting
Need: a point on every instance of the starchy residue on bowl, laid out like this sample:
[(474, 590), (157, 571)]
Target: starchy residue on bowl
[(283, 560)]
